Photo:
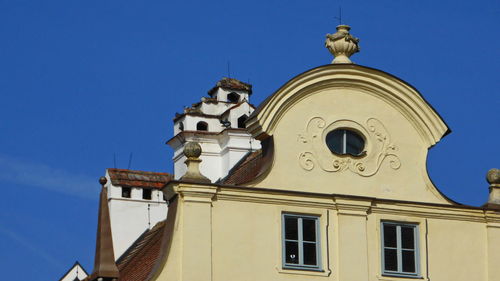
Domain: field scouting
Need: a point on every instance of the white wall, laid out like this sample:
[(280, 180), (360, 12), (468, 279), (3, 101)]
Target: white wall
[(76, 271), (130, 217)]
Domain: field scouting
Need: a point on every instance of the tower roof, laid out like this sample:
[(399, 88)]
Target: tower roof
[(134, 178), (104, 261), (231, 84)]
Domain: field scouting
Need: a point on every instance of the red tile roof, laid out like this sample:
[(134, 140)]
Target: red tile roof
[(231, 84), (139, 260), (246, 170), (131, 178)]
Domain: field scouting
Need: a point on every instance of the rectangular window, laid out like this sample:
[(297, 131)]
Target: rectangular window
[(146, 194), (400, 253), (300, 242), (126, 192)]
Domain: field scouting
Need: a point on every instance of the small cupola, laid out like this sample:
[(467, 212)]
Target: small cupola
[(230, 90)]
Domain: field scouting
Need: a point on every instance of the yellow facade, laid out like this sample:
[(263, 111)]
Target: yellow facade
[(223, 232)]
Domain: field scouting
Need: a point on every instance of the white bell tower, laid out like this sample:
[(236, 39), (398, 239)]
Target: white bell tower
[(217, 123)]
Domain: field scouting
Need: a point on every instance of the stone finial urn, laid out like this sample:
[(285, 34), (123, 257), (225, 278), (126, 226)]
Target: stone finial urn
[(342, 44), (493, 178), (192, 151)]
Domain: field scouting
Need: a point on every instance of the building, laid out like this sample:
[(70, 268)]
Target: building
[(327, 181)]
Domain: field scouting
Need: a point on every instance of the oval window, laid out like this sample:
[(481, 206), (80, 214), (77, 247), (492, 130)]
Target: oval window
[(342, 141)]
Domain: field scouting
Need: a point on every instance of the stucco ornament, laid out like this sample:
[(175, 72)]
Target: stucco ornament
[(342, 44), (378, 148)]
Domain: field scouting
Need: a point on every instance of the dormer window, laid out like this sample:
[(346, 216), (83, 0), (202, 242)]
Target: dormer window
[(241, 121), (233, 97), (202, 126), (345, 141)]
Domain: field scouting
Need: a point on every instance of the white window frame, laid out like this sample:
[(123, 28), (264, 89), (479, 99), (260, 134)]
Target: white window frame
[(399, 249), (300, 242)]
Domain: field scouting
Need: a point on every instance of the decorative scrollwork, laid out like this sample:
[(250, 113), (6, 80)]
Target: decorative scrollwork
[(306, 161), (379, 148)]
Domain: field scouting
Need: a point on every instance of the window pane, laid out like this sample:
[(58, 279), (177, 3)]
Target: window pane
[(334, 141), (126, 192), (409, 261), (146, 194), (309, 230), (291, 252), (390, 235), (391, 259), (310, 253), (407, 238), (355, 143), (291, 231)]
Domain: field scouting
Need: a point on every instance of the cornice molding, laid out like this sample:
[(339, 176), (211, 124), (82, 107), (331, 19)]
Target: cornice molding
[(343, 204), (196, 192)]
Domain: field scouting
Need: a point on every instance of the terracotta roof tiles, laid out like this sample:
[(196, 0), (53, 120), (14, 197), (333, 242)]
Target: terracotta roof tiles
[(132, 178), (231, 84), (247, 169), (138, 261)]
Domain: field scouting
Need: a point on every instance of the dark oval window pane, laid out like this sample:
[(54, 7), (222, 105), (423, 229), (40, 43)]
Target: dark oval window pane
[(291, 230), (390, 235), (310, 253), (409, 261), (354, 143), (407, 237), (309, 230), (342, 141), (291, 252), (335, 141), (390, 260)]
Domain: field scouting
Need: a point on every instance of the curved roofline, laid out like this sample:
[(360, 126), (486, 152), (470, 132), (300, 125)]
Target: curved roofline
[(424, 116), (263, 103)]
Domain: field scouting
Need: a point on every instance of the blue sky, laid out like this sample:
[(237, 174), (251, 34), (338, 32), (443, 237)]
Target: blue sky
[(81, 81)]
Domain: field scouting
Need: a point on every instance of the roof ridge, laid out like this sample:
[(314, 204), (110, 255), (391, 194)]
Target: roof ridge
[(138, 171)]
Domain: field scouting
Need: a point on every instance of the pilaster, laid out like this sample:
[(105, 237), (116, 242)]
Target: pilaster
[(352, 239), (196, 233)]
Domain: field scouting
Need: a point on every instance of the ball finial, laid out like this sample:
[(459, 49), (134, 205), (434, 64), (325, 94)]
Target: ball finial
[(493, 176), (192, 150), (103, 180)]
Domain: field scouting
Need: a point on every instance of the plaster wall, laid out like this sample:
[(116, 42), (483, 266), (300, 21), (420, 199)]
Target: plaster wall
[(247, 245), (234, 114), (461, 247), (215, 108), (219, 152), (191, 121), (221, 94), (130, 217), (243, 229), (401, 175)]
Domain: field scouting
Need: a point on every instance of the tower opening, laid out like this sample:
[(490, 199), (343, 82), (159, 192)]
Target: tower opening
[(202, 126)]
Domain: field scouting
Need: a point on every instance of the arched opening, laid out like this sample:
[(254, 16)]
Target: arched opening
[(202, 126), (181, 126), (233, 97), (241, 121)]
